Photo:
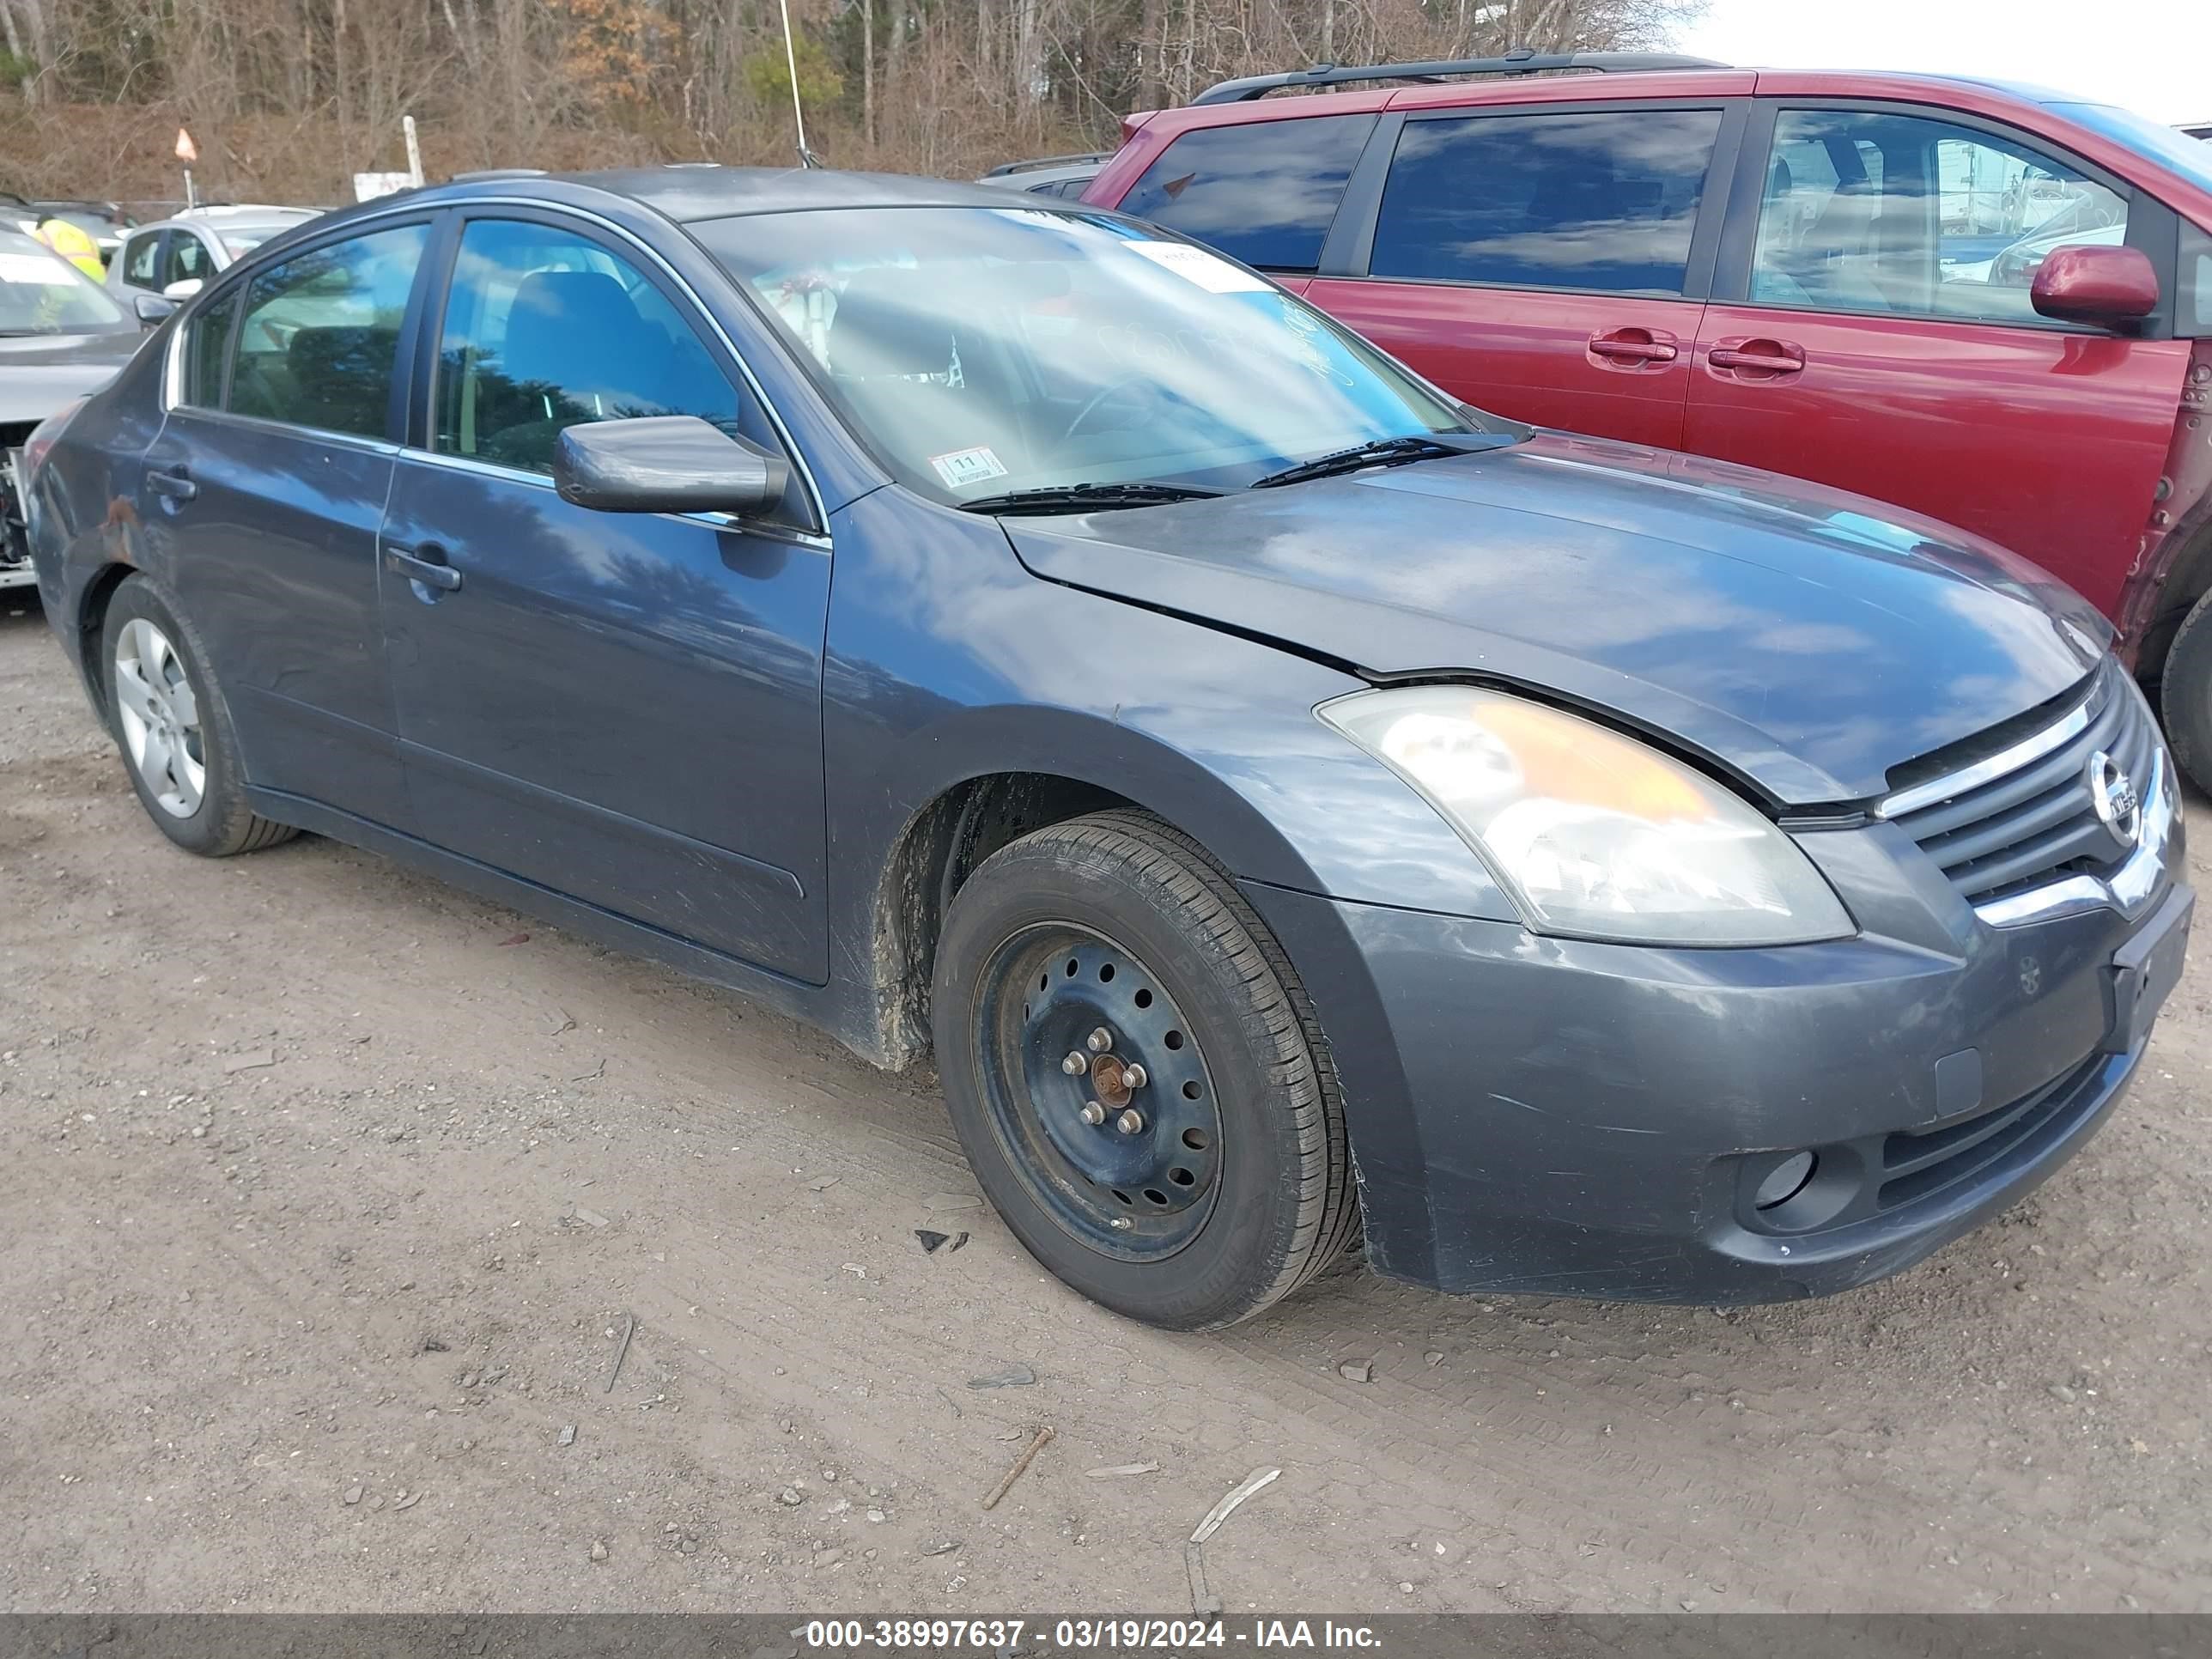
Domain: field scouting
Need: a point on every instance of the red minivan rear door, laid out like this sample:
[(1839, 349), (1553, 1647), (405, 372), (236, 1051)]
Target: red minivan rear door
[(1871, 329), (1546, 260)]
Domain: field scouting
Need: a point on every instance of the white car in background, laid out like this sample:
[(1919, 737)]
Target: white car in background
[(175, 256)]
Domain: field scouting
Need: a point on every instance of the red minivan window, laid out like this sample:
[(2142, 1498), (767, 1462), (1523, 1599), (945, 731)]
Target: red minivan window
[(1539, 262), (1265, 194)]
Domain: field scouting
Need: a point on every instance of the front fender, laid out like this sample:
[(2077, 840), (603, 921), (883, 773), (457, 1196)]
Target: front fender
[(947, 661)]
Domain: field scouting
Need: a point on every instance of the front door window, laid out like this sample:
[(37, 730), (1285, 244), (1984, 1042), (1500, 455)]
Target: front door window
[(1872, 212)]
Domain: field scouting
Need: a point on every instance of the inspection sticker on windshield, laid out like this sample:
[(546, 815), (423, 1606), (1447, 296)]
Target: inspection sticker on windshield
[(1209, 270), (967, 467)]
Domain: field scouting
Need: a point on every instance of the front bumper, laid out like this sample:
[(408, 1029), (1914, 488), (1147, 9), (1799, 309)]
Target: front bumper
[(1558, 1117)]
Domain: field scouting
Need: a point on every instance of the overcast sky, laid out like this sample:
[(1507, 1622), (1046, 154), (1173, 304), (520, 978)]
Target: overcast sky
[(2154, 56)]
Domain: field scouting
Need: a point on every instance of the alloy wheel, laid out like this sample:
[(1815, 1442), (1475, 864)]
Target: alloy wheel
[(161, 718)]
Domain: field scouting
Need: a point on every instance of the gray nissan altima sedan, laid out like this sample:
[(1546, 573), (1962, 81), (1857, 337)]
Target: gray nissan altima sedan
[(1291, 803)]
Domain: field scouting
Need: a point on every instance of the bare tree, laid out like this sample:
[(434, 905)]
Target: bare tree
[(288, 98)]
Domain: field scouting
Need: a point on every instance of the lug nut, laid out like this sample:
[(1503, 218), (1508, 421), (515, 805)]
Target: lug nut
[(1093, 1113), (1133, 1075), (1100, 1041), (1073, 1063), (1130, 1121)]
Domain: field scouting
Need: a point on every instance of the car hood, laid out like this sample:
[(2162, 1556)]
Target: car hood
[(1806, 639), (39, 372)]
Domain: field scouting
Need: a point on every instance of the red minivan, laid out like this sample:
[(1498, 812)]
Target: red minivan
[(1987, 303)]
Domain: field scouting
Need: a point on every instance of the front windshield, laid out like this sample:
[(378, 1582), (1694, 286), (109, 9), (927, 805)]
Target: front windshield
[(983, 352), (41, 293), (2170, 146)]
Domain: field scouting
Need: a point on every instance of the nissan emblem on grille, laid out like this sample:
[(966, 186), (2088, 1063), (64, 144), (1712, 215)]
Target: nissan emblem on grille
[(2112, 794)]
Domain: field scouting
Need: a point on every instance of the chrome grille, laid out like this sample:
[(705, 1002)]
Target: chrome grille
[(2028, 814)]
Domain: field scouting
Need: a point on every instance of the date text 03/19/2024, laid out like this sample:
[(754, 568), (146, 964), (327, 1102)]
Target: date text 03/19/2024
[(999, 1636)]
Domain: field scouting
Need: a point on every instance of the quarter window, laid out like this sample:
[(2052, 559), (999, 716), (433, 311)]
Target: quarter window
[(1868, 211), (207, 350), (1604, 200), (545, 330), (320, 334), (1264, 192)]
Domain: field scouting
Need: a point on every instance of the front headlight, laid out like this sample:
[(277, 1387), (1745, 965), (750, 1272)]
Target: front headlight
[(1593, 833)]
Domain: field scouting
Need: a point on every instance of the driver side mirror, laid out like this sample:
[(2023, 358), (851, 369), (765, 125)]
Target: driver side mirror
[(2106, 286), (152, 307), (665, 463)]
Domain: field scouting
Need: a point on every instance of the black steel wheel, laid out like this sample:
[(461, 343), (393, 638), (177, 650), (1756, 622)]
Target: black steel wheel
[(1136, 1075), (1095, 1079)]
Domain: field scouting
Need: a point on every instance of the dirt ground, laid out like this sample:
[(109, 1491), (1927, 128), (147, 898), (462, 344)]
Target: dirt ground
[(312, 1334)]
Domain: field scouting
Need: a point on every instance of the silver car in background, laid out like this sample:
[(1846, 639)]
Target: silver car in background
[(175, 256)]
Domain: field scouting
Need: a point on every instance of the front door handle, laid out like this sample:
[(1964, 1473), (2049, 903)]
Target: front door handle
[(1634, 345), (426, 565), (175, 484), (1760, 356)]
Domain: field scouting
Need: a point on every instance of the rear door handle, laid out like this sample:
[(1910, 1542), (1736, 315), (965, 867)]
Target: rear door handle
[(1761, 357), (175, 484), (1635, 345), (426, 565)]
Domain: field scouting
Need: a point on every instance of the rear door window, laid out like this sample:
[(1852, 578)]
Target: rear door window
[(321, 335), (1264, 192), (1604, 201)]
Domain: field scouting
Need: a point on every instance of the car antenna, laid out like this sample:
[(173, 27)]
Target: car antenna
[(807, 158)]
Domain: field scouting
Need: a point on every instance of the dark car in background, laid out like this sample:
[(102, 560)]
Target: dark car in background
[(1048, 175), (1285, 798), (61, 337), (106, 222), (1986, 303)]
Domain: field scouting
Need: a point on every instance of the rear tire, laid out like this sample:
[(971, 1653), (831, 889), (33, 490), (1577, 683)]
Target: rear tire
[(1233, 1186), (169, 720)]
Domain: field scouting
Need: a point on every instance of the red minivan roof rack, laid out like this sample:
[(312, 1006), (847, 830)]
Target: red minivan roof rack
[(1521, 61)]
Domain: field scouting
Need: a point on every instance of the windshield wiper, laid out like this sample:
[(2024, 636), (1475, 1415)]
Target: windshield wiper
[(1082, 497), (1386, 451)]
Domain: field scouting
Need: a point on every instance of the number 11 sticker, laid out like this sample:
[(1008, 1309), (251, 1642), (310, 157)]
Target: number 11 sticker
[(967, 467)]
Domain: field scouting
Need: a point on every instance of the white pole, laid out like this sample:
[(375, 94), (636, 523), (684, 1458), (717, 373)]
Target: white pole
[(791, 62), (191, 200), (414, 152)]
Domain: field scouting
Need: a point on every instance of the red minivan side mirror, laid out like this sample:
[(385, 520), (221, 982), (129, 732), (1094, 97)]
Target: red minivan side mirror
[(2094, 284)]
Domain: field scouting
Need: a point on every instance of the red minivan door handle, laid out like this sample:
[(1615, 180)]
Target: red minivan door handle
[(1628, 347), (1760, 357)]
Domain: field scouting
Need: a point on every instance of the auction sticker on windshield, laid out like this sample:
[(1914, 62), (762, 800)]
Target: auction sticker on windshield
[(1209, 270), (967, 467)]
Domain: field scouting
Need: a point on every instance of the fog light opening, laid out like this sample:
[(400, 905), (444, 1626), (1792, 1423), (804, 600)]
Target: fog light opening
[(1784, 1181)]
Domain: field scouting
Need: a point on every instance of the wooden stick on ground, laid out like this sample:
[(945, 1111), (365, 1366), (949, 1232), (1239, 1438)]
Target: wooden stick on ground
[(1020, 1463)]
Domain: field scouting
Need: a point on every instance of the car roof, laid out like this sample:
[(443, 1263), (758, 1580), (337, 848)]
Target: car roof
[(688, 191), (1147, 132)]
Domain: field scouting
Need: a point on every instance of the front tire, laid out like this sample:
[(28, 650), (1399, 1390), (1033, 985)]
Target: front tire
[(168, 718), (1137, 1076)]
